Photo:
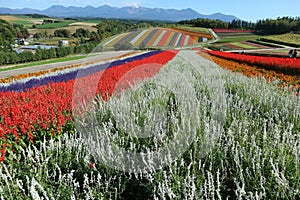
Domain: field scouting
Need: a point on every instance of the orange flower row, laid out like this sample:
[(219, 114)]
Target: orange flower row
[(255, 71), (35, 74)]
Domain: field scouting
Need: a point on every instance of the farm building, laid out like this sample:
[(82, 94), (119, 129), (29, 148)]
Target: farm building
[(63, 43), (21, 41), (202, 39), (33, 48)]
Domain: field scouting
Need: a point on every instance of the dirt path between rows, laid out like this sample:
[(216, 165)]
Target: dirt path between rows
[(257, 50), (91, 58)]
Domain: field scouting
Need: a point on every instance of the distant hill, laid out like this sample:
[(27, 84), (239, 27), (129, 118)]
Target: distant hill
[(106, 11)]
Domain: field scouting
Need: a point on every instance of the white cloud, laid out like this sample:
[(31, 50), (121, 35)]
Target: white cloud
[(132, 3)]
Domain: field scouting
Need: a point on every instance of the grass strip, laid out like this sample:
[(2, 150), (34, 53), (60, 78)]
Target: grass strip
[(36, 63)]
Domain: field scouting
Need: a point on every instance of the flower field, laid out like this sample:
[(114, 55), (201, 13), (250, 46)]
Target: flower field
[(159, 37), (232, 33), (51, 95), (194, 34), (282, 65), (158, 125), (283, 80)]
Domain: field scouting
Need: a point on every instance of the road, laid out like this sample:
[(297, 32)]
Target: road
[(217, 38), (254, 50), (91, 58), (269, 49)]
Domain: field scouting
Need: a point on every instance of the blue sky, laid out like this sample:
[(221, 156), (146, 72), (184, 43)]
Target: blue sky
[(247, 10)]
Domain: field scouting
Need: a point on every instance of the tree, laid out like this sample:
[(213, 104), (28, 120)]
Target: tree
[(38, 35), (143, 46), (278, 26), (26, 56), (62, 33), (8, 33), (13, 57), (52, 53), (38, 54), (6, 36), (207, 23), (123, 46), (64, 51), (95, 37), (2, 59), (80, 32)]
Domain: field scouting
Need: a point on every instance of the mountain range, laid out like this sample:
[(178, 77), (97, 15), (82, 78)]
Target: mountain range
[(129, 12)]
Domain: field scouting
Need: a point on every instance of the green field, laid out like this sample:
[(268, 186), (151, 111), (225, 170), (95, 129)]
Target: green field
[(55, 25), (24, 22), (196, 29), (285, 38), (91, 21), (238, 39), (245, 46), (22, 19), (235, 35), (54, 40)]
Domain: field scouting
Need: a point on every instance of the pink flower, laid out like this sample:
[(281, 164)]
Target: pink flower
[(92, 165)]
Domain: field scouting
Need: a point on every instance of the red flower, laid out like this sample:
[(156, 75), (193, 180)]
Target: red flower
[(92, 165)]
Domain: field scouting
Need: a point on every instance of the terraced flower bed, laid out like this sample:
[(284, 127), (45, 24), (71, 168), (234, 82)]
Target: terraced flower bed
[(159, 37)]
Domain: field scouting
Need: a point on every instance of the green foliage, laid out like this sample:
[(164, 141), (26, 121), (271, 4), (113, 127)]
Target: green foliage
[(80, 32), (38, 35), (240, 24), (95, 37), (279, 25), (11, 57), (36, 16), (264, 26), (123, 46), (49, 24), (9, 32), (207, 23), (62, 33)]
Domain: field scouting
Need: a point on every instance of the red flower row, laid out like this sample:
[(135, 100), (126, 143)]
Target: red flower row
[(283, 65)]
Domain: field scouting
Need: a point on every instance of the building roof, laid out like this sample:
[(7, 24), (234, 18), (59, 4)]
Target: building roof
[(35, 47)]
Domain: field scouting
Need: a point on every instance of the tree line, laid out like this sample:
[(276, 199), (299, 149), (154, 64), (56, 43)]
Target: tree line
[(109, 27), (280, 25), (12, 57)]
